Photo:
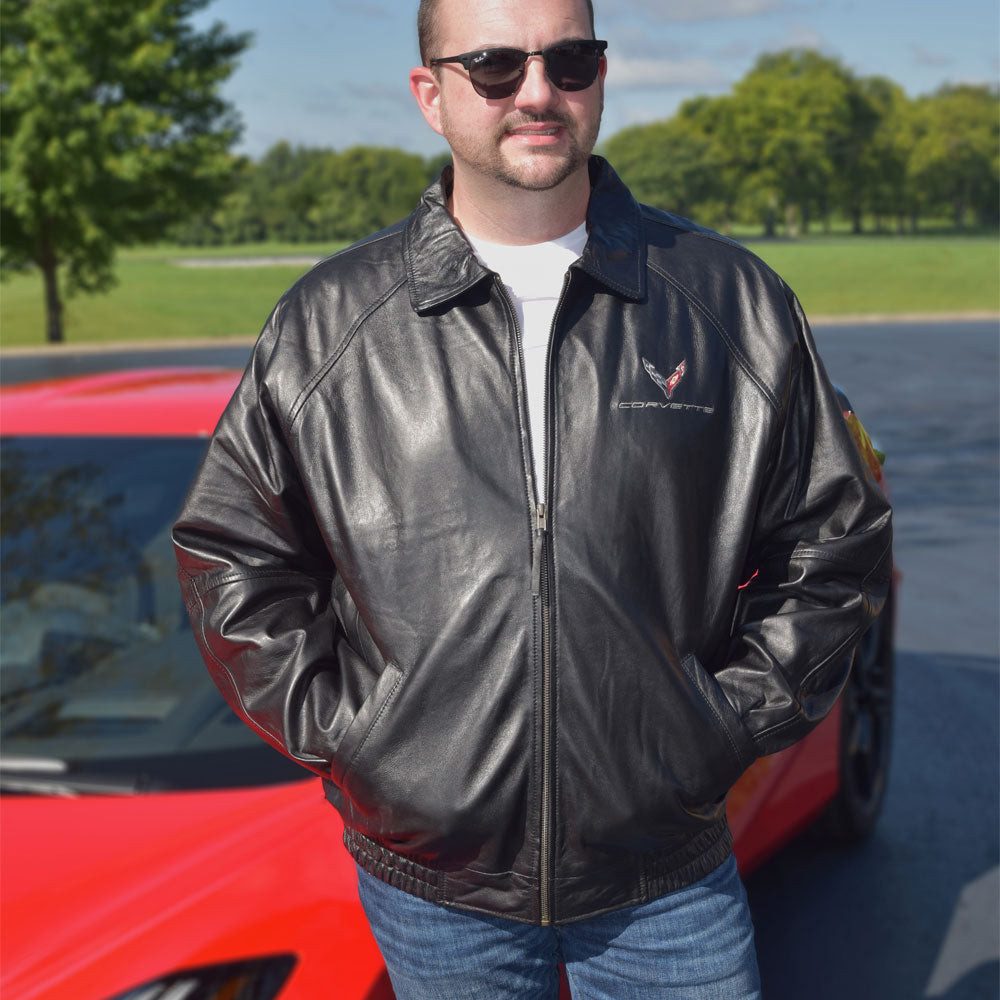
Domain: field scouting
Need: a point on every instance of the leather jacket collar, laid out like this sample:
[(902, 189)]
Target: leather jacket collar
[(440, 265)]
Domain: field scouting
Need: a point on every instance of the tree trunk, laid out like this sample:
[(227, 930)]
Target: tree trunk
[(53, 303), (958, 206), (791, 220), (728, 213), (769, 222)]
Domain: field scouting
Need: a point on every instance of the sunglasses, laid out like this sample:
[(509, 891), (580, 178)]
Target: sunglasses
[(497, 73)]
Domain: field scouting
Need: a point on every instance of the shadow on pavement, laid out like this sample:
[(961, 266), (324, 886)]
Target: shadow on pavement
[(871, 922)]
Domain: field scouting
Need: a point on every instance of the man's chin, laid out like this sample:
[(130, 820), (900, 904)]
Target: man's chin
[(540, 170)]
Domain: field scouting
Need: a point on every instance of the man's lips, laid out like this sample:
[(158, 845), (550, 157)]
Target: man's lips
[(540, 132), (548, 129)]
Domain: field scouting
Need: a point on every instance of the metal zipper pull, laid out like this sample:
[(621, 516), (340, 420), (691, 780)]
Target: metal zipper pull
[(541, 526)]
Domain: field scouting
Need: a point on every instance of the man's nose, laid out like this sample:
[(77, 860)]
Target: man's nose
[(536, 91)]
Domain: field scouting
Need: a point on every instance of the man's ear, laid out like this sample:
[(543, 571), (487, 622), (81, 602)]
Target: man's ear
[(425, 88)]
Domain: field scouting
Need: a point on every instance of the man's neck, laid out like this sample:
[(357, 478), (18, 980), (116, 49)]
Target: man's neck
[(501, 213)]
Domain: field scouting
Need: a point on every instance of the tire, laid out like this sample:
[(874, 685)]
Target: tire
[(865, 737)]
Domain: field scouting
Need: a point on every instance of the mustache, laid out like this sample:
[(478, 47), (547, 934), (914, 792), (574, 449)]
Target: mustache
[(522, 118)]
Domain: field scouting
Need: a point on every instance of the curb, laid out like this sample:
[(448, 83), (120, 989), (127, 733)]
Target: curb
[(116, 346), (863, 319)]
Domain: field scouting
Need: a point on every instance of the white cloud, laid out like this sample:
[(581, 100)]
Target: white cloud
[(801, 36), (925, 57), (364, 9), (738, 51), (793, 36), (635, 72), (692, 10), (393, 93)]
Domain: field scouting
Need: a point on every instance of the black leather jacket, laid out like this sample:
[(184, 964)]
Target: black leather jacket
[(534, 711)]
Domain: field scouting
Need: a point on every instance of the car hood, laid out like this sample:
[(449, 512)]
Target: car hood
[(84, 874)]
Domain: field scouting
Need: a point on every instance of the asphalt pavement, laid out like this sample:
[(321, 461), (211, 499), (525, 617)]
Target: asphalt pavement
[(913, 912)]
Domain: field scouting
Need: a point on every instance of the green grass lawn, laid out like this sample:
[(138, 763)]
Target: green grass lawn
[(853, 275), (156, 299)]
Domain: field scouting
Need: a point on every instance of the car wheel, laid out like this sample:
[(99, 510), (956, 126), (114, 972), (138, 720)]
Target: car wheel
[(865, 737)]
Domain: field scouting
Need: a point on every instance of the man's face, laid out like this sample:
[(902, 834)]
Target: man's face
[(539, 136)]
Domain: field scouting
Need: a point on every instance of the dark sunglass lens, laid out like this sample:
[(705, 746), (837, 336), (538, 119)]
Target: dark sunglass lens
[(496, 74), (572, 67)]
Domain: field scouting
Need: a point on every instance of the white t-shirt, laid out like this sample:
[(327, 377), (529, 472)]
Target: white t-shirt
[(533, 276)]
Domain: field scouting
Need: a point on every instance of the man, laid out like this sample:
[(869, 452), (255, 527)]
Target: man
[(470, 538)]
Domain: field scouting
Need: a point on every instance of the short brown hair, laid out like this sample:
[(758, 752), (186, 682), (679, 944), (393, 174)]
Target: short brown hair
[(427, 27)]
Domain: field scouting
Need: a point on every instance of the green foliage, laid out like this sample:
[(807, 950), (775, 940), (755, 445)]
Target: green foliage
[(956, 150), (685, 164), (668, 164), (366, 189), (791, 114), (879, 183), (299, 194), (112, 129), (801, 137)]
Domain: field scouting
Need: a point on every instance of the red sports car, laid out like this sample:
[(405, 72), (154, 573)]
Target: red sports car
[(153, 847)]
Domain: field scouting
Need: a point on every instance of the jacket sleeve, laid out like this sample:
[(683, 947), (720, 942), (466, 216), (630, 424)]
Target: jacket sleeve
[(822, 550), (256, 578)]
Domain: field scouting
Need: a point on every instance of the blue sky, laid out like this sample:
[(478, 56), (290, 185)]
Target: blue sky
[(333, 73)]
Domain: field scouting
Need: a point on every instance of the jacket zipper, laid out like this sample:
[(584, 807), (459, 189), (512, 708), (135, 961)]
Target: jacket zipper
[(540, 590), (543, 541)]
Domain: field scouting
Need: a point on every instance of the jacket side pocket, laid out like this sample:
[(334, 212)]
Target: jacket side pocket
[(363, 724), (729, 722)]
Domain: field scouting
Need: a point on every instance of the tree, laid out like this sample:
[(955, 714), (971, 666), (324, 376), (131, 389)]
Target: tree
[(364, 189), (882, 185), (302, 193), (680, 164), (854, 153), (955, 151), (791, 114), (436, 164), (722, 186), (663, 163), (112, 130)]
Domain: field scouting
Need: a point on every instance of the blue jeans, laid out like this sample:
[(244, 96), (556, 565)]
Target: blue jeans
[(694, 944)]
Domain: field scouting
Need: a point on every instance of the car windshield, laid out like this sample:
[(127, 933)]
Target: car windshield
[(103, 688)]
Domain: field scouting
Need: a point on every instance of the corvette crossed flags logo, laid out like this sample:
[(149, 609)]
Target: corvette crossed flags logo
[(667, 386)]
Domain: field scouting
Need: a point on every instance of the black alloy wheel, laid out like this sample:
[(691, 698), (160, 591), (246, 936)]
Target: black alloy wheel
[(865, 736)]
